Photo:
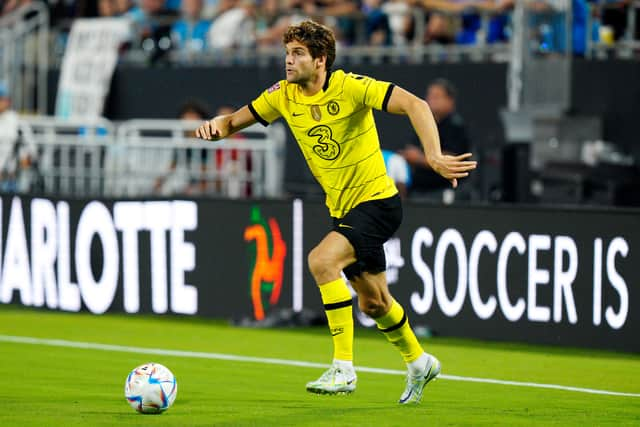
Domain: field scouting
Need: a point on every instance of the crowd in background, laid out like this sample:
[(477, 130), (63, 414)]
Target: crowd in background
[(206, 25)]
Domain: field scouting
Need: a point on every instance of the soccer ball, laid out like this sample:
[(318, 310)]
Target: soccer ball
[(151, 388)]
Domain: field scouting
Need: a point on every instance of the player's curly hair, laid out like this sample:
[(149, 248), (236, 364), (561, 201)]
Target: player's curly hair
[(318, 38)]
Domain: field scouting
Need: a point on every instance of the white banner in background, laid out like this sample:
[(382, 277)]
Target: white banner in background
[(46, 246), (89, 60)]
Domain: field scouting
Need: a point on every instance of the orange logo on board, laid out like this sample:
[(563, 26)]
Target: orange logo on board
[(268, 253)]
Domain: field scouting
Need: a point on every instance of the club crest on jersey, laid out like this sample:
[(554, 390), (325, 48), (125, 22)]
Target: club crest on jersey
[(333, 108), (315, 113), (274, 88)]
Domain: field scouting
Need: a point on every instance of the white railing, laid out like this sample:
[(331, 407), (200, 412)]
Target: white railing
[(24, 56), (142, 158)]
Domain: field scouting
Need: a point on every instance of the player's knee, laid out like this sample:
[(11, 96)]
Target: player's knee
[(320, 265)]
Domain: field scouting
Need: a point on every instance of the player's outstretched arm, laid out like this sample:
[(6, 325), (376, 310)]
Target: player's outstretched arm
[(451, 167), (222, 126)]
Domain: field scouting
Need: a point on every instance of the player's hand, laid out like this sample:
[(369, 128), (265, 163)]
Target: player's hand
[(209, 131), (453, 167)]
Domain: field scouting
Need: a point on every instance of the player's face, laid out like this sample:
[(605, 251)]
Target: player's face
[(300, 66)]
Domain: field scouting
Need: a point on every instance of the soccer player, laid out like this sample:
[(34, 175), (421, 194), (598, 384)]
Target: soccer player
[(330, 115)]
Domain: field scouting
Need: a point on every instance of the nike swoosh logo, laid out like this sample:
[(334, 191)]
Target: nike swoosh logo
[(337, 333), (297, 114), (344, 225), (406, 398)]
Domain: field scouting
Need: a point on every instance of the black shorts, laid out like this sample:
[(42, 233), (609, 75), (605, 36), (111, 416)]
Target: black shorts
[(367, 227)]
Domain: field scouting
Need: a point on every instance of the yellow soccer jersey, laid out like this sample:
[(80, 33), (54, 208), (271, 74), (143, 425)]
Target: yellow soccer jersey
[(337, 135)]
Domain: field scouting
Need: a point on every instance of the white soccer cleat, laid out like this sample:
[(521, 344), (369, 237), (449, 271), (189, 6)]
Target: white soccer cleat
[(334, 380), (416, 384)]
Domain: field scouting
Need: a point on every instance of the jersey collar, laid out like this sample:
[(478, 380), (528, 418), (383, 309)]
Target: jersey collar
[(325, 86)]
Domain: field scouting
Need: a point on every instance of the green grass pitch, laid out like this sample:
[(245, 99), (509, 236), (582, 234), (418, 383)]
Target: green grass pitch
[(45, 385)]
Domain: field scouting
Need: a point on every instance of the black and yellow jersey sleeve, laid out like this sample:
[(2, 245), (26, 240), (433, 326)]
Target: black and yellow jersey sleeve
[(367, 91), (265, 108)]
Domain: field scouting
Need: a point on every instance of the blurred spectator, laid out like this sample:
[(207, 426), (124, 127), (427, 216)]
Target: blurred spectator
[(498, 13), (9, 6), (124, 7), (337, 14), (267, 17), (400, 16), (484, 18), (235, 26), (440, 18), (549, 17), (8, 140), (190, 32), (152, 25), (441, 97), (614, 14), (378, 30), (439, 29), (472, 15), (186, 174), (439, 26), (294, 12), (211, 9), (174, 5), (398, 170), (340, 15), (107, 9), (14, 157)]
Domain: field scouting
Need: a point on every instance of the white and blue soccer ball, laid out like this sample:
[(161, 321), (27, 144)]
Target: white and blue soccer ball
[(151, 388)]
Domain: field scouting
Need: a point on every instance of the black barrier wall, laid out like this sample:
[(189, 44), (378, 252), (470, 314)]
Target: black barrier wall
[(159, 92), (550, 276), (608, 89)]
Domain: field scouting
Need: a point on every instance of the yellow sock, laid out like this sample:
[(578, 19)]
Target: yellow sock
[(395, 326), (338, 307)]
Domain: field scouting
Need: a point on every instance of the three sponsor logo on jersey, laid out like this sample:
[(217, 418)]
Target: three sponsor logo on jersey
[(327, 148)]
